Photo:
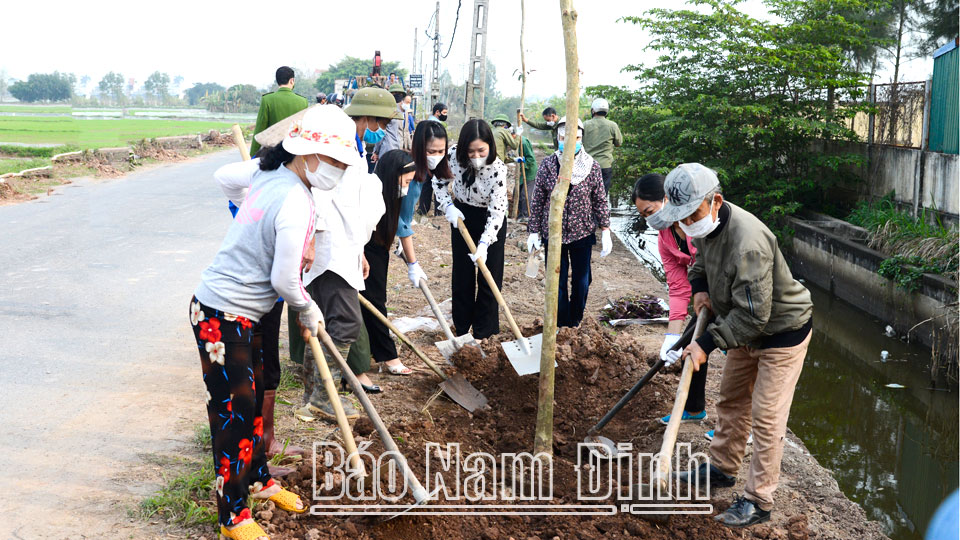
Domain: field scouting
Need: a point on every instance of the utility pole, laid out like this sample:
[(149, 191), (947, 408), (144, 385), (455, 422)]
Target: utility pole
[(435, 74), (413, 69), (473, 104)]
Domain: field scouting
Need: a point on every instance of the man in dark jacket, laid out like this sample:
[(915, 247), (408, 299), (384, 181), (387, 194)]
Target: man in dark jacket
[(763, 319)]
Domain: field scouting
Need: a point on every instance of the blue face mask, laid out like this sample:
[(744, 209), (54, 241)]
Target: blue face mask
[(373, 137), (576, 149)]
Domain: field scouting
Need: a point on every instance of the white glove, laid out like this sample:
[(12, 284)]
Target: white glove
[(415, 273), (481, 253), (671, 358), (533, 242), (311, 318), (518, 130), (606, 243), (452, 213), (669, 340)]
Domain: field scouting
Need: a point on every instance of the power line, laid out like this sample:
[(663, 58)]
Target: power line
[(457, 20)]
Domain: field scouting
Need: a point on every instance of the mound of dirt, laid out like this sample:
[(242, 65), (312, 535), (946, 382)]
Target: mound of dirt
[(595, 368)]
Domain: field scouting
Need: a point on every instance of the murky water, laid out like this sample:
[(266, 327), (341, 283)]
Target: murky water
[(892, 450)]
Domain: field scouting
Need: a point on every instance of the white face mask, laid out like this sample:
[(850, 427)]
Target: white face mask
[(403, 191), (433, 161), (551, 123), (702, 227), (478, 162), (326, 177)]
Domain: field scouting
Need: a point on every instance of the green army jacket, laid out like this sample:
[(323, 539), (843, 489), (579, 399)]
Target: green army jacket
[(274, 107)]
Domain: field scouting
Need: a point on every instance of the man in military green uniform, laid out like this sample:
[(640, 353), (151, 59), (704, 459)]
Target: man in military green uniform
[(278, 105), (549, 123), (503, 137), (529, 164), (599, 137)]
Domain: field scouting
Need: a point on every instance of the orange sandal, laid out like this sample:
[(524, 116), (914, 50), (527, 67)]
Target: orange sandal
[(250, 531)]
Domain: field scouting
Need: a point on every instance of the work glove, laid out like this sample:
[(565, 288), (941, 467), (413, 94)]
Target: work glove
[(518, 130), (481, 253), (520, 159), (669, 340), (452, 213), (606, 243), (671, 358), (415, 273), (311, 318), (533, 242)]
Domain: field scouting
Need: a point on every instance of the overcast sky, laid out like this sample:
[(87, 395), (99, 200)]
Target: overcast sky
[(245, 41)]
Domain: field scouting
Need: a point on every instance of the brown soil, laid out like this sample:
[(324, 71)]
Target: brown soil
[(596, 366)]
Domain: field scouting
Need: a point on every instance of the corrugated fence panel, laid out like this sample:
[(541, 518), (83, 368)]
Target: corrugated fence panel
[(944, 109)]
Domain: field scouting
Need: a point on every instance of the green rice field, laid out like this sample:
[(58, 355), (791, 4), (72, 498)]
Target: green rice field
[(95, 133)]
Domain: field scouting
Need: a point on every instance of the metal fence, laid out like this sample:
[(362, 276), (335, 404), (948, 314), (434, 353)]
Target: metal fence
[(898, 115)]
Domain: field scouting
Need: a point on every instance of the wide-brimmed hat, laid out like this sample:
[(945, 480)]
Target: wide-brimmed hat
[(686, 187), (502, 118), (373, 102), (324, 129)]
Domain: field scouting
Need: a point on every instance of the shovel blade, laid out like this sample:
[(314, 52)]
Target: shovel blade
[(524, 355), (463, 393)]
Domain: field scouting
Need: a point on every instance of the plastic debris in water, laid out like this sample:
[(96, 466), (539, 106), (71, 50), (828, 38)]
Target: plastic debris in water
[(884, 355), (895, 385), (888, 331)]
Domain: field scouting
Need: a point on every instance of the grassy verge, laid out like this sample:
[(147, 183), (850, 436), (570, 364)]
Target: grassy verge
[(185, 499), (96, 133), (57, 109), (915, 245), (12, 150), (17, 165)]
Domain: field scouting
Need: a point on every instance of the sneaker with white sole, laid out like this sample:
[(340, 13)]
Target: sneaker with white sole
[(709, 436), (687, 417)]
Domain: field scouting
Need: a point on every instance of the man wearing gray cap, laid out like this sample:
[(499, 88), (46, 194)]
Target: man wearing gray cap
[(764, 320)]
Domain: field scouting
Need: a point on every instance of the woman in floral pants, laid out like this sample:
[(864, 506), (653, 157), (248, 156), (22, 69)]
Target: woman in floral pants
[(262, 256)]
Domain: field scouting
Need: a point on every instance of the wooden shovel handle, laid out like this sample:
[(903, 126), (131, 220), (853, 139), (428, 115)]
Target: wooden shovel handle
[(240, 142), (345, 431), (419, 494), (676, 414), (482, 265), (386, 322)]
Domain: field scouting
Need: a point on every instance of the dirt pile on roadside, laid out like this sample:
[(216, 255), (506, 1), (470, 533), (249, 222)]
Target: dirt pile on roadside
[(595, 368)]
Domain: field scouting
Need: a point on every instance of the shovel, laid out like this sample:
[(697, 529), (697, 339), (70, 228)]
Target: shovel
[(420, 495), (523, 353), (457, 387), (453, 343), (601, 446), (660, 483)]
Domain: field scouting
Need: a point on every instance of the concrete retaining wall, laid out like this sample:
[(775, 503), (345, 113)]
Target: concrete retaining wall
[(827, 253)]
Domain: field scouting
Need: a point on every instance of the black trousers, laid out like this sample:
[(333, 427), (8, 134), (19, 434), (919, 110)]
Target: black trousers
[(696, 400), (268, 331), (574, 262), (525, 190), (473, 302), (382, 347), (607, 175)]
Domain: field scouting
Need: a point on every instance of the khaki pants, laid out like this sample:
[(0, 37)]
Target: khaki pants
[(757, 382)]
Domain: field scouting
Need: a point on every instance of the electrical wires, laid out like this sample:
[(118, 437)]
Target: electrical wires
[(457, 20)]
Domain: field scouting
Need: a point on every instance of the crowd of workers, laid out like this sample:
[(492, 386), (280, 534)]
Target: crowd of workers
[(319, 210)]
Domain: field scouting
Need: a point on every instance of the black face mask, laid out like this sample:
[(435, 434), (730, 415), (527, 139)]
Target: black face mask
[(442, 118)]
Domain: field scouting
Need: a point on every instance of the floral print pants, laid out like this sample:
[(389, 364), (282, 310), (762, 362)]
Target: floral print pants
[(231, 358)]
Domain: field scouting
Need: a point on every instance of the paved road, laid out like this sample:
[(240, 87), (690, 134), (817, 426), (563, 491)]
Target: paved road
[(97, 372)]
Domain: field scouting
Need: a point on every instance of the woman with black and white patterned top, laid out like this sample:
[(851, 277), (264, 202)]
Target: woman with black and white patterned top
[(480, 200)]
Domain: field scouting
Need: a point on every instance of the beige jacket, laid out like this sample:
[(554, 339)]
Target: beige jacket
[(752, 290)]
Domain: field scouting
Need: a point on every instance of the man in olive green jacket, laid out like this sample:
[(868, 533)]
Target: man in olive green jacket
[(503, 138), (763, 319), (599, 137), (549, 123), (278, 105)]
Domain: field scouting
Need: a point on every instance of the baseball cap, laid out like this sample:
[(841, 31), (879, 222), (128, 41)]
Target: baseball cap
[(685, 187)]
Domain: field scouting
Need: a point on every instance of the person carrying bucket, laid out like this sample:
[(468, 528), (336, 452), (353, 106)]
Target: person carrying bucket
[(586, 208), (479, 185), (260, 258)]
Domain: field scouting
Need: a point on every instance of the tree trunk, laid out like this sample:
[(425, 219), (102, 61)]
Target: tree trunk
[(543, 439), (521, 176)]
